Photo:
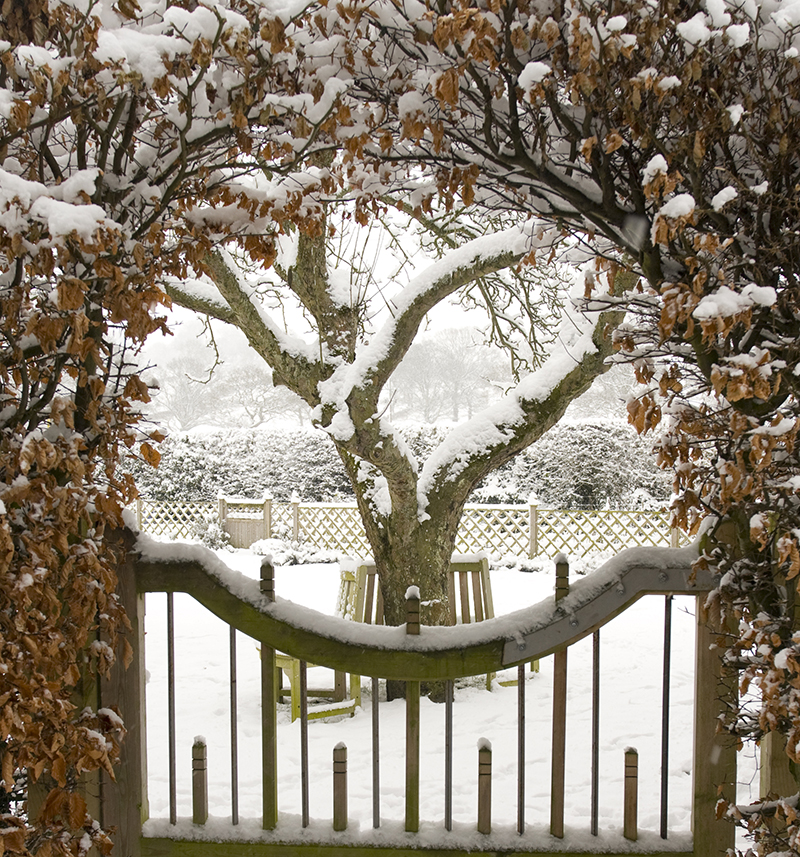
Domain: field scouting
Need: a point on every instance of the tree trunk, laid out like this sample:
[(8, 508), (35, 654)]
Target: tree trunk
[(409, 552)]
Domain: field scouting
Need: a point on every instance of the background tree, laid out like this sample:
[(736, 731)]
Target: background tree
[(447, 373)]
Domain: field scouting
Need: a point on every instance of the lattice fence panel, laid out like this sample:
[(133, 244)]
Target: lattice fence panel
[(176, 520), (579, 532), (499, 529), (281, 520), (335, 528)]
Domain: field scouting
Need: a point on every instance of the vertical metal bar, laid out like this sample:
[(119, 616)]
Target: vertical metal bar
[(234, 732), (173, 790), (304, 742), (665, 714), (595, 732), (521, 749), (376, 764), (559, 746), (448, 754)]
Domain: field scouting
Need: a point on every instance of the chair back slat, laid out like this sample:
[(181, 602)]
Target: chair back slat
[(463, 585), (477, 596), (369, 600)]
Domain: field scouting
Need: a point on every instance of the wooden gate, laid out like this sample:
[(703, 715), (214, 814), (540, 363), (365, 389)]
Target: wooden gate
[(402, 654)]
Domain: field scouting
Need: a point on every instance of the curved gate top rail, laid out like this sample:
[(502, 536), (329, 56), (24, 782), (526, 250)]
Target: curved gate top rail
[(438, 652)]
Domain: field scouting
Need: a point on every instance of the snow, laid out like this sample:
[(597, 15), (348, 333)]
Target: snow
[(721, 199), (657, 165), (57, 207), (630, 665), (668, 82), (695, 31), (716, 10), (412, 592), (617, 23), (681, 205), (725, 302), (533, 73), (736, 111), (738, 34)]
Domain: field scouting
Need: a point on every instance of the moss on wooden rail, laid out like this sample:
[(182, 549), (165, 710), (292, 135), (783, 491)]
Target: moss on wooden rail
[(497, 644), (184, 848)]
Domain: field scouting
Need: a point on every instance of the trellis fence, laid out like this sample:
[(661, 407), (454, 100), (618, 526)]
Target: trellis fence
[(522, 530)]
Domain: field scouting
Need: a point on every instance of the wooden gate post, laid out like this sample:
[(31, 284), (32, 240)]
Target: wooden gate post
[(199, 781), (559, 748), (123, 802), (714, 754), (630, 822), (412, 721), (269, 724)]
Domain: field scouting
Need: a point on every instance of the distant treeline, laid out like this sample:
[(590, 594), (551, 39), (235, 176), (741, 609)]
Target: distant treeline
[(574, 466)]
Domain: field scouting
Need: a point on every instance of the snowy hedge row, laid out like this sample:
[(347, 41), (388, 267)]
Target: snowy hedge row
[(575, 465)]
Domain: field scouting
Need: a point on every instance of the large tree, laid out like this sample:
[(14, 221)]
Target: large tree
[(343, 364)]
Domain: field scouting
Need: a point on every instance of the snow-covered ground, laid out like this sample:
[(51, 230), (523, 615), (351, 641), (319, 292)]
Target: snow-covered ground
[(631, 671)]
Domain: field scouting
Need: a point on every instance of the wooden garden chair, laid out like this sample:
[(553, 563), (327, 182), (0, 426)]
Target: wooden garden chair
[(288, 666), (469, 590), (360, 600)]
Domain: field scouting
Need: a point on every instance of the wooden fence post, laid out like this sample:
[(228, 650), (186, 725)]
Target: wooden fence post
[(533, 526), (559, 751), (267, 517), (340, 787), (269, 719), (295, 504), (412, 756), (222, 509), (199, 781), (484, 786), (630, 822)]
